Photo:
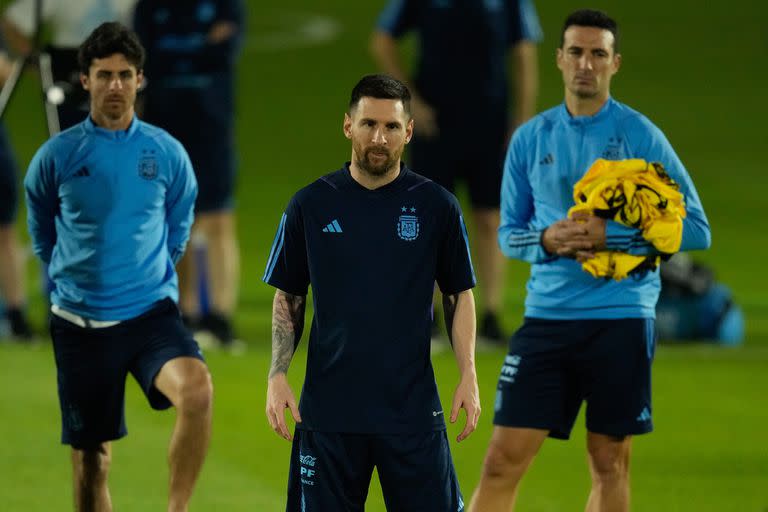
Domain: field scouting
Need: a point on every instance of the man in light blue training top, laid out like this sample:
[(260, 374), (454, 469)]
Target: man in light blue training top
[(583, 338), (110, 207)]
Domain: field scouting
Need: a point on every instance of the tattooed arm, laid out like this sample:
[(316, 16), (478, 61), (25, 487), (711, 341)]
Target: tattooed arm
[(459, 309), (287, 326)]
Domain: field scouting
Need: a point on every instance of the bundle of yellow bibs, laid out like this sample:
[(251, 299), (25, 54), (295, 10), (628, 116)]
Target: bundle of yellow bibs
[(637, 194)]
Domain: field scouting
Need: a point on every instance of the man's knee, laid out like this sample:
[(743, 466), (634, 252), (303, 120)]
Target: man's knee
[(195, 394), (504, 463), (216, 225), (609, 461), (487, 219), (92, 464)]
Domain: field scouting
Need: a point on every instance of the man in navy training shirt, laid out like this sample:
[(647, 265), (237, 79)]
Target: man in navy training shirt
[(465, 49), (110, 206), (583, 338), (371, 238), (192, 48)]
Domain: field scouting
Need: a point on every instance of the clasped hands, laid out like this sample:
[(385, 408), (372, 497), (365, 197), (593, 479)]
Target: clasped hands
[(578, 237)]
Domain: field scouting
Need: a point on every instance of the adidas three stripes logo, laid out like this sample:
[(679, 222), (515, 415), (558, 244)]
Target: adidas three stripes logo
[(333, 227)]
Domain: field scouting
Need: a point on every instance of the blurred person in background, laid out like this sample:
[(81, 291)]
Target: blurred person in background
[(110, 206), (12, 290), (583, 338), (462, 111), (192, 48), (70, 22), (371, 239)]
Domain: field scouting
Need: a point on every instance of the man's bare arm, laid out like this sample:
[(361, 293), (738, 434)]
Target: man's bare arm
[(459, 311), (525, 79), (287, 327)]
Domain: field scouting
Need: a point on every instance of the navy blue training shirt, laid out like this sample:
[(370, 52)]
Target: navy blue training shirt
[(463, 46), (184, 65), (372, 258), (176, 36)]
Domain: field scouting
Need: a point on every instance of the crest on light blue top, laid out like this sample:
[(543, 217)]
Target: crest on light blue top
[(148, 167)]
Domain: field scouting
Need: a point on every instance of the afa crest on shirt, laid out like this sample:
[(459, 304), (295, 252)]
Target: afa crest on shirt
[(148, 167), (408, 227)]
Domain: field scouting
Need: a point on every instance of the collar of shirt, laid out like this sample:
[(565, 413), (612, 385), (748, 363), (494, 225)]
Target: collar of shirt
[(116, 135), (601, 114)]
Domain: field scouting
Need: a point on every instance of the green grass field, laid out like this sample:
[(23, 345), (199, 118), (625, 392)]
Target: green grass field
[(698, 72)]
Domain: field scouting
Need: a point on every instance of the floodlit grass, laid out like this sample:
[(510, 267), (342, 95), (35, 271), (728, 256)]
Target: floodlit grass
[(705, 455)]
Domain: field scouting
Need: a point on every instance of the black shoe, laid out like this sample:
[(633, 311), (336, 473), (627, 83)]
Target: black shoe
[(490, 329), (20, 329), (214, 331), (191, 322), (218, 325)]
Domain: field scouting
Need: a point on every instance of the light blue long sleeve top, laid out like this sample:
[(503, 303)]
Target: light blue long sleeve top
[(546, 157), (110, 212)]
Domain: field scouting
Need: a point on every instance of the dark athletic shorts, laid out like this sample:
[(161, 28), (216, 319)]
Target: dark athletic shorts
[(92, 366), (555, 365), (332, 472), (202, 120), (458, 155), (9, 189)]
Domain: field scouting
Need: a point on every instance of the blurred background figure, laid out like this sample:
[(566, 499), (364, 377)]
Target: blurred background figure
[(694, 306), (464, 50), (69, 23), (192, 48), (12, 289)]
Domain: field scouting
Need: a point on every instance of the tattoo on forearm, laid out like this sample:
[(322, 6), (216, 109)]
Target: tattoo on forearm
[(449, 309), (287, 326)]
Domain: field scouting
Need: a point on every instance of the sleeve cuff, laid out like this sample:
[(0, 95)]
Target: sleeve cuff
[(619, 237)]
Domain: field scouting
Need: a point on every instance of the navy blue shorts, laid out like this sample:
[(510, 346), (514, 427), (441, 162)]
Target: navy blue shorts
[(555, 365), (475, 159), (92, 366), (332, 471), (9, 191), (203, 121)]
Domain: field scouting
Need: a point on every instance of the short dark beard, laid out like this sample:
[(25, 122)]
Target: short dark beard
[(376, 170)]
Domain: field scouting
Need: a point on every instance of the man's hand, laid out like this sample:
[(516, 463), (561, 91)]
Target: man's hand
[(280, 397), (578, 237), (467, 397), (424, 118), (221, 31), (5, 68)]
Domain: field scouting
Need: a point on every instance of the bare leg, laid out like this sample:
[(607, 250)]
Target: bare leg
[(189, 298), (223, 263), (90, 469), (187, 384), (609, 467), (490, 260), (11, 268), (510, 453)]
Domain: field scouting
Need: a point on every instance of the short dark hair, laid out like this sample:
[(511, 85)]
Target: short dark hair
[(108, 39), (592, 18), (382, 87)]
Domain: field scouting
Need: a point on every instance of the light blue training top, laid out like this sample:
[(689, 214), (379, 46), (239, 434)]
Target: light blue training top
[(110, 212), (546, 157)]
